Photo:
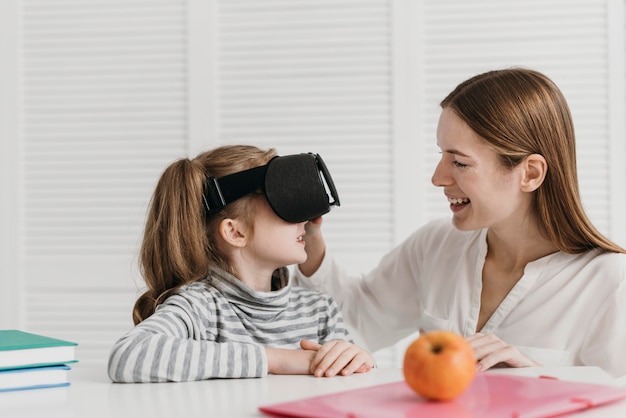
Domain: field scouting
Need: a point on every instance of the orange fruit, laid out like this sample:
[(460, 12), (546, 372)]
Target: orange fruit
[(439, 365)]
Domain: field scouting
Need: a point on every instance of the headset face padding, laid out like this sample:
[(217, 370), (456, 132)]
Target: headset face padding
[(296, 187)]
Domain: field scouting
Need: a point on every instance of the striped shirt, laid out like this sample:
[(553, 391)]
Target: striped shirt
[(218, 328)]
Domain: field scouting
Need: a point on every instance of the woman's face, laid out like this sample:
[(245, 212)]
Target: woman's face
[(482, 193)]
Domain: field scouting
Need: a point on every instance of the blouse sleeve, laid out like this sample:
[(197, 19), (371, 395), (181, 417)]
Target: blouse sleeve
[(383, 305), (605, 344), (170, 346)]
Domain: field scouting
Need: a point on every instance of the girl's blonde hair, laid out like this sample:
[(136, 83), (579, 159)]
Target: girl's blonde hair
[(520, 112), (179, 243)]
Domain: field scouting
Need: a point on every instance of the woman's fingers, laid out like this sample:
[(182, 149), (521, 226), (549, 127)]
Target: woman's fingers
[(491, 351)]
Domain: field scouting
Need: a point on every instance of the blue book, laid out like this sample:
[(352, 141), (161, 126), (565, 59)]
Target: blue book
[(34, 378), (19, 349)]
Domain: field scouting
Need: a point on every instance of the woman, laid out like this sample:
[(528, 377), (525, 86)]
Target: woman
[(520, 271)]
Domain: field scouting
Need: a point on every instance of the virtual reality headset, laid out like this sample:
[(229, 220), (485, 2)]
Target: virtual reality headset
[(297, 187)]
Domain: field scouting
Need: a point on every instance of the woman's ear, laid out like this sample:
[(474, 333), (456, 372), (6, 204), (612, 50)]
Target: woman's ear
[(233, 232), (535, 168)]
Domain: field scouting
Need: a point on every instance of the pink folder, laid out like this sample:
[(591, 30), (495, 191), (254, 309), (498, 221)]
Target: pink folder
[(489, 395)]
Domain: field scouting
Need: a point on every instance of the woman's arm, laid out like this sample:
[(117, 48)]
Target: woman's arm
[(383, 306)]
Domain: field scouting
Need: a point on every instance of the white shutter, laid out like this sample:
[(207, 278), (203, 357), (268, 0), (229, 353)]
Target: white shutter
[(10, 280), (315, 76), (103, 109)]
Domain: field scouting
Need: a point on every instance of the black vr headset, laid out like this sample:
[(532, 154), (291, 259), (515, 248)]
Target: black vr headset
[(296, 187)]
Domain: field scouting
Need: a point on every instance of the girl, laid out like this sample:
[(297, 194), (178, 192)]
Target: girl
[(519, 270), (219, 300)]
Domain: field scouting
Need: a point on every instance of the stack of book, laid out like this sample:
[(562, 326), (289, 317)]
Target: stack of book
[(33, 361)]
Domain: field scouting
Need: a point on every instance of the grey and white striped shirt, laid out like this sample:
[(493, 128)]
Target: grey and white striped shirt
[(218, 328)]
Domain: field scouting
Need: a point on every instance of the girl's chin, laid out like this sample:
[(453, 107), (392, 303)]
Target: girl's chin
[(300, 260)]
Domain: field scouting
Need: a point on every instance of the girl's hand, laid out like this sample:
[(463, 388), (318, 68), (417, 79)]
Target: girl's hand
[(491, 351), (338, 357), (289, 361)]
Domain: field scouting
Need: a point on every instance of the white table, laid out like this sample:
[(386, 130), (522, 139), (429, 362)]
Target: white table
[(92, 395)]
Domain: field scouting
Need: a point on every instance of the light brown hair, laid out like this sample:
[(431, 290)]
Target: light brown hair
[(520, 112), (179, 244)]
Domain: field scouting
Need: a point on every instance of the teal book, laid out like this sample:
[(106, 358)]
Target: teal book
[(34, 378), (19, 349)]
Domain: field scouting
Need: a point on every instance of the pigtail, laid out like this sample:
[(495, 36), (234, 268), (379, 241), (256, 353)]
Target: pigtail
[(179, 243), (175, 242)]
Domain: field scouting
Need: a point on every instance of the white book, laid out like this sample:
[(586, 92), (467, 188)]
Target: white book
[(34, 378)]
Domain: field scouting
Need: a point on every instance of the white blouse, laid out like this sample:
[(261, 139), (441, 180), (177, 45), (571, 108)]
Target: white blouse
[(567, 309)]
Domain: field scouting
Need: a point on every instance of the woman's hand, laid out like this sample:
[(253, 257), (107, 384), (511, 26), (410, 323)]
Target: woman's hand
[(338, 357), (315, 247), (491, 351)]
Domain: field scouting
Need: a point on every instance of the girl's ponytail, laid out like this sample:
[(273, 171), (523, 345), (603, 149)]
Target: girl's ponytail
[(175, 242), (180, 244)]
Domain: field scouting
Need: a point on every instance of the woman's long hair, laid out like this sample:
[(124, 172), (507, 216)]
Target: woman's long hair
[(520, 112), (179, 243)]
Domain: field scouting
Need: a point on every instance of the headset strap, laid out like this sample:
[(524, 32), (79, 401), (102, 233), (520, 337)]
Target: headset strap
[(220, 192)]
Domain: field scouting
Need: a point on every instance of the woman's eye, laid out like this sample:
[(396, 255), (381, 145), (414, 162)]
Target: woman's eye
[(459, 164)]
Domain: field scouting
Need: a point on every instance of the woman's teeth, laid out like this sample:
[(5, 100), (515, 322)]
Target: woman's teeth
[(458, 201)]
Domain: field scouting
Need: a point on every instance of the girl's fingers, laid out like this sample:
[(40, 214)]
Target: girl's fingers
[(344, 358)]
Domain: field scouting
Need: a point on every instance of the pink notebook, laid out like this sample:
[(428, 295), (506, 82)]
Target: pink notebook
[(490, 395)]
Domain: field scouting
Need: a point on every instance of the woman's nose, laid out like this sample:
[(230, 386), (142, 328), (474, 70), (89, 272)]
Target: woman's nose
[(440, 177)]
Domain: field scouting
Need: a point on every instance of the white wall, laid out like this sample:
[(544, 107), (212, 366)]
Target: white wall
[(98, 97)]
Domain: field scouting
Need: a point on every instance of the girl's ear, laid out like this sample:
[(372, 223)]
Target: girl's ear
[(233, 232), (534, 169)]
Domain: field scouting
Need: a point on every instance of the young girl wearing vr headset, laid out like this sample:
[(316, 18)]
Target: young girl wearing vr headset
[(520, 271), (219, 303)]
